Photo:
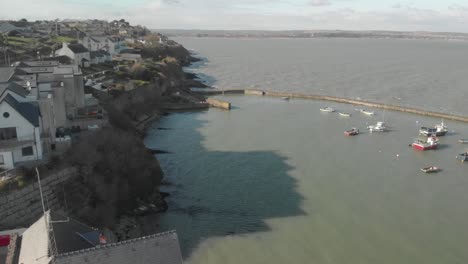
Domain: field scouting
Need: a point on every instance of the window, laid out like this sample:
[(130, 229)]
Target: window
[(27, 151), (7, 133), (2, 161), (6, 115)]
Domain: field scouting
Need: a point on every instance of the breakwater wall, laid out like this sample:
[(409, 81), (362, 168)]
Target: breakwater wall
[(365, 103), (219, 103), (23, 207)]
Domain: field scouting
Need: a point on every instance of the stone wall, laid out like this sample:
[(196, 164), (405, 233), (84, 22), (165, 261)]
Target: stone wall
[(23, 207)]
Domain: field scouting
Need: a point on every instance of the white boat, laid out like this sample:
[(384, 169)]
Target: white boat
[(438, 130), (285, 98), (430, 169), (344, 114), (379, 127), (366, 112), (463, 140), (327, 109)]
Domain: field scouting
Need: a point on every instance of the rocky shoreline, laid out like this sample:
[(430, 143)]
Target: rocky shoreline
[(117, 177)]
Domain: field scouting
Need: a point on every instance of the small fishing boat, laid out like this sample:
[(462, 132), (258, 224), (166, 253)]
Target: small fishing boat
[(352, 132), (366, 112), (285, 98), (327, 109), (438, 130), (463, 140), (344, 114), (425, 143), (379, 127), (430, 169), (463, 157)]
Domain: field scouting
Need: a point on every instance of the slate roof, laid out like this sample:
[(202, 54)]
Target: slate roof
[(160, 248), (29, 111), (77, 48), (71, 235), (99, 54), (50, 63), (6, 73), (14, 87), (6, 27)]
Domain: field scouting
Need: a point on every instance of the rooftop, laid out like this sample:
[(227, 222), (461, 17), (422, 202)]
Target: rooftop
[(6, 73), (77, 48), (29, 111), (14, 87), (159, 248)]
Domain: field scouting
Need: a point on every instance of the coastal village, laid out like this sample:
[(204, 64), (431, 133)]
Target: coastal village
[(74, 96)]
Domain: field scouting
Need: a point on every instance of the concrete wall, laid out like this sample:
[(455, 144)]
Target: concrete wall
[(219, 103), (7, 160), (23, 207)]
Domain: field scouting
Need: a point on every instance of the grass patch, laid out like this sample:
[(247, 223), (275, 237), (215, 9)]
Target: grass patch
[(61, 39), (22, 40)]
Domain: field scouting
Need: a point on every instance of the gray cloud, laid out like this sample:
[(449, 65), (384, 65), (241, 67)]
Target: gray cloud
[(245, 14)]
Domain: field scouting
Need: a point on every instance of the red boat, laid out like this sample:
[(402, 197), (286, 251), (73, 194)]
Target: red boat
[(425, 143), (352, 132)]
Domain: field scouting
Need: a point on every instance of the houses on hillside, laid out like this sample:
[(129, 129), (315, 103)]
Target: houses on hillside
[(38, 101)]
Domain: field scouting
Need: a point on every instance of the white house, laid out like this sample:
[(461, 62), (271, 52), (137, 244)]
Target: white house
[(98, 43), (77, 52), (100, 57), (20, 132)]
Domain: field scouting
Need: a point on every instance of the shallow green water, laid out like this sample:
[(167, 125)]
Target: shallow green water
[(277, 182)]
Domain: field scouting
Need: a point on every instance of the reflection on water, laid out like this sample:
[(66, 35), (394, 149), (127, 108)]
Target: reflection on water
[(277, 182)]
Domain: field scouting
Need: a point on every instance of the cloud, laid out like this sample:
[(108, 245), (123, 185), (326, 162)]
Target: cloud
[(319, 3), (248, 14)]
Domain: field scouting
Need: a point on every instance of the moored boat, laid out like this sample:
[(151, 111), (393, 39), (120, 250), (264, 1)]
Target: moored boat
[(327, 109), (379, 127), (463, 140), (425, 143), (285, 98), (430, 169), (366, 112), (463, 157), (438, 130), (352, 132), (344, 114)]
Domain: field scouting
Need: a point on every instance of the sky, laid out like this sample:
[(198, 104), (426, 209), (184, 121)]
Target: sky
[(413, 15)]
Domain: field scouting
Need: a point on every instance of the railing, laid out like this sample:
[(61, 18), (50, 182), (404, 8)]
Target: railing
[(8, 174)]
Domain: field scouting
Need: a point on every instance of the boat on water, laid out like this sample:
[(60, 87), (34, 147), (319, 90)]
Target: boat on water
[(366, 112), (430, 169), (379, 127), (285, 98), (352, 132), (463, 140), (425, 143), (438, 130), (344, 114), (463, 157), (327, 109)]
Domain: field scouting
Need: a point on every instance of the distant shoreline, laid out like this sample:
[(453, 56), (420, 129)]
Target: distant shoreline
[(317, 34)]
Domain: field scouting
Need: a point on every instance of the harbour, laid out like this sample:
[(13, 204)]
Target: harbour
[(287, 186)]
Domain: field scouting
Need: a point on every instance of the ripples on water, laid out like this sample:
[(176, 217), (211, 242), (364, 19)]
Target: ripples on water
[(274, 181), (419, 73), (277, 182)]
